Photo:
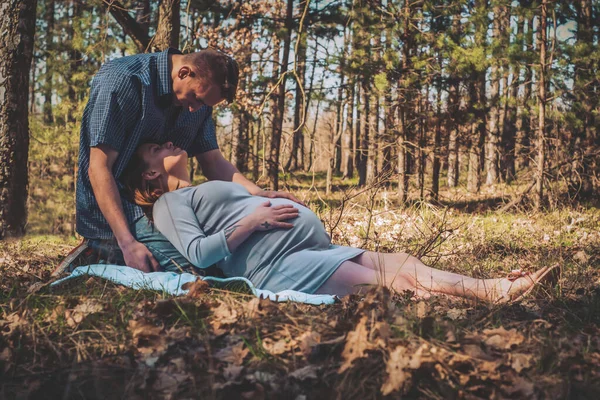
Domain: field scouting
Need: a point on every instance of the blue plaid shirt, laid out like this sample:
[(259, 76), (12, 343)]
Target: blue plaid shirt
[(131, 103)]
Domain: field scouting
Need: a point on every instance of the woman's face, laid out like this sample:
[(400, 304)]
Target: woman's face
[(165, 159)]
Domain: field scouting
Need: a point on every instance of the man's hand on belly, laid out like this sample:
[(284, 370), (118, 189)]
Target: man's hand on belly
[(272, 194)]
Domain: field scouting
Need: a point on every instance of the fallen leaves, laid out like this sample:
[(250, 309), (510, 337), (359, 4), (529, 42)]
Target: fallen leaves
[(234, 354), (500, 338), (356, 344)]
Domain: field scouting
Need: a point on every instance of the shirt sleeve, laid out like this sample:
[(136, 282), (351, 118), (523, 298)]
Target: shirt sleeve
[(116, 108), (175, 219), (206, 139)]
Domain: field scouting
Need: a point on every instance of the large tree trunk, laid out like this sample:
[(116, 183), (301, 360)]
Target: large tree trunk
[(510, 128), (586, 101), (405, 108), (167, 31), (541, 139), (49, 61), (279, 110), (349, 134), (454, 105), (295, 160), (523, 126), (493, 134), (17, 28), (477, 102)]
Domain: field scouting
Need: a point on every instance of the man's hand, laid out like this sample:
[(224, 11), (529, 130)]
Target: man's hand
[(138, 256), (272, 194)]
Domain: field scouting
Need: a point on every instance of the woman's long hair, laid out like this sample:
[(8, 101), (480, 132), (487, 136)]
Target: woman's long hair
[(138, 190)]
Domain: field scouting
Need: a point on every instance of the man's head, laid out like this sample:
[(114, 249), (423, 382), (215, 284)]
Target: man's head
[(206, 77)]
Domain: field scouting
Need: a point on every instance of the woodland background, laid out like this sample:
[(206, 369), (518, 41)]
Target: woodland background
[(412, 96), (464, 132)]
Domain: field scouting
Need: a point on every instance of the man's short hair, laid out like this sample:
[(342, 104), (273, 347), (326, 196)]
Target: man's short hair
[(220, 68)]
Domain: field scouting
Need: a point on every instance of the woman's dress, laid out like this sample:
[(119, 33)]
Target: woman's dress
[(302, 258)]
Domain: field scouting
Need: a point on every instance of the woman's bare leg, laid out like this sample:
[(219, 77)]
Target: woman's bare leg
[(402, 271), (349, 278)]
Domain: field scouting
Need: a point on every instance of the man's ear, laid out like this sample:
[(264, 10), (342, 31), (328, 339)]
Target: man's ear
[(150, 175), (184, 72)]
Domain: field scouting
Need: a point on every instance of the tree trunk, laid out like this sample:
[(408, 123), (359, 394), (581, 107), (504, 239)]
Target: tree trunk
[(477, 102), (510, 129), (523, 126), (454, 104), (541, 142), (437, 142), (405, 108), (493, 135), (17, 28), (279, 101), (49, 61), (349, 144), (299, 110), (586, 101), (167, 30)]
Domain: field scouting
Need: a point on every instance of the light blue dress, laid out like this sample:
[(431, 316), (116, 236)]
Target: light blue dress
[(301, 258)]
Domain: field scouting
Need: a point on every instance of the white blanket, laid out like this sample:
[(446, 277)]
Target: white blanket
[(171, 283)]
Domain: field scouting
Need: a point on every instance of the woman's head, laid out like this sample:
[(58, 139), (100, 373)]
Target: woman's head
[(154, 170)]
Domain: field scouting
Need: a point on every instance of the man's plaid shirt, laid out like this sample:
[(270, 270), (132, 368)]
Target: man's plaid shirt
[(131, 103)]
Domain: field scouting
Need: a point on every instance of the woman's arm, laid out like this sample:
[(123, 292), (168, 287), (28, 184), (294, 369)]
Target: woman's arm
[(176, 219)]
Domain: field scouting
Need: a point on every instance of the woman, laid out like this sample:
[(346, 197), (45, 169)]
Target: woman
[(278, 244)]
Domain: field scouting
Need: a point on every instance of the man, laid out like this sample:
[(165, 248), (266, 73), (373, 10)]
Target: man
[(160, 97)]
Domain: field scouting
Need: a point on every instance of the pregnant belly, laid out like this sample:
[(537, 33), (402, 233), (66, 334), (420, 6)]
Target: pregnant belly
[(307, 233)]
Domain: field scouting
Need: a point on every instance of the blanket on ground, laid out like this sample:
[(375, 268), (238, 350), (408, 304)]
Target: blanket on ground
[(171, 283)]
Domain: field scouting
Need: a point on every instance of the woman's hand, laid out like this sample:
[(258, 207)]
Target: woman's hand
[(265, 217)]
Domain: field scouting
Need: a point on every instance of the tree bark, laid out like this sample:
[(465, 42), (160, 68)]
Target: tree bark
[(17, 28), (477, 102), (279, 101), (295, 162), (167, 30), (523, 126), (49, 61), (541, 139), (493, 134)]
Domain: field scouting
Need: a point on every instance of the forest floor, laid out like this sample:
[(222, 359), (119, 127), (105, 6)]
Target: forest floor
[(93, 339)]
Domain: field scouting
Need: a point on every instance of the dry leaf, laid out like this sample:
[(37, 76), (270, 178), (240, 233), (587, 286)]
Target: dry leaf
[(223, 315), (456, 313), (276, 347), (500, 338), (147, 337), (196, 289), (356, 344), (398, 361), (234, 354), (302, 374), (232, 372), (520, 361), (307, 341), (89, 306)]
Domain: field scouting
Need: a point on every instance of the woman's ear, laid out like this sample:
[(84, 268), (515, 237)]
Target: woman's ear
[(150, 175)]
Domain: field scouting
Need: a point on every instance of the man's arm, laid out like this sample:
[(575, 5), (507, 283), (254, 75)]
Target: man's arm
[(216, 167), (136, 255)]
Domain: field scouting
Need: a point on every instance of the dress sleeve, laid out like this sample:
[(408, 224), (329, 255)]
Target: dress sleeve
[(175, 219)]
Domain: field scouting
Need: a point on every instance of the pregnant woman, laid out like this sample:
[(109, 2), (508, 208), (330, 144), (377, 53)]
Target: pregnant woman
[(278, 244)]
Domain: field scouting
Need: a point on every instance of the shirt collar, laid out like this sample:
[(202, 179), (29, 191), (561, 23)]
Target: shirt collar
[(165, 82)]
